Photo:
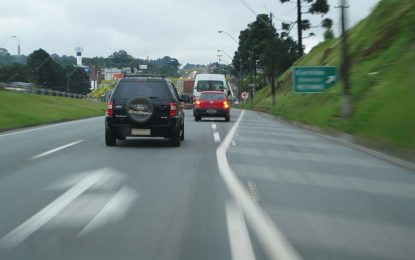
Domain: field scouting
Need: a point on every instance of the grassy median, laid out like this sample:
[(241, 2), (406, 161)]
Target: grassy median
[(22, 110)]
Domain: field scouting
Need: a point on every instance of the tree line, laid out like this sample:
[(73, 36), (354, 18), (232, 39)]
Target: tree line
[(41, 70), (165, 66), (61, 73)]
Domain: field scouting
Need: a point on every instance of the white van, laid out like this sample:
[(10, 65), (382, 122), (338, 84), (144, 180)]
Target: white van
[(209, 82)]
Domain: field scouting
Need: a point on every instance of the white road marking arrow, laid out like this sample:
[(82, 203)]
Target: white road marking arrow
[(115, 209)]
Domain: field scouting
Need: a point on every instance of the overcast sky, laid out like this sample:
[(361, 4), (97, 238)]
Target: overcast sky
[(183, 29)]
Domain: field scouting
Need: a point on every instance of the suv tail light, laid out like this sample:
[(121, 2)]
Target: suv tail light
[(173, 109), (110, 111)]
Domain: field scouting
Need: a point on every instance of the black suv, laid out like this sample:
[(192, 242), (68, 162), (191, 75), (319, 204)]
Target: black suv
[(144, 107)]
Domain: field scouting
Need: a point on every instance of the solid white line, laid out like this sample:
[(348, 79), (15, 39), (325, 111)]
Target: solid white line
[(56, 149), (31, 225), (114, 210), (213, 126), (216, 137), (48, 126), (240, 242), (272, 239)]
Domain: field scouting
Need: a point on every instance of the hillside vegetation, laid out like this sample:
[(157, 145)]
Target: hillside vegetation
[(382, 51)]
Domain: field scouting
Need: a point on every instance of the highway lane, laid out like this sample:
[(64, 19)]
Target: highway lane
[(178, 210), (331, 201), (65, 195)]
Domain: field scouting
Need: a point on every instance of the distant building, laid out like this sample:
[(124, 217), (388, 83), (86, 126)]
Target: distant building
[(109, 72), (115, 73)]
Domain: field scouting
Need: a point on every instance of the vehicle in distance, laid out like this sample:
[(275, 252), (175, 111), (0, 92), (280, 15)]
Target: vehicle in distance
[(212, 104), (188, 85), (144, 107), (209, 82), (188, 101)]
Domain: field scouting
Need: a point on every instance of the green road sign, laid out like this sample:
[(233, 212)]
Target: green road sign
[(313, 79)]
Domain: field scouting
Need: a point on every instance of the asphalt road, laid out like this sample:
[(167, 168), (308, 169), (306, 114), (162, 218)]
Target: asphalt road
[(253, 188)]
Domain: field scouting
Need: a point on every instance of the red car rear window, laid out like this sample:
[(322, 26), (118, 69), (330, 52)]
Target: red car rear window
[(212, 96)]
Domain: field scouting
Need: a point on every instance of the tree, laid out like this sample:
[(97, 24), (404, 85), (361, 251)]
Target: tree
[(64, 60), (316, 7), (121, 58), (328, 24), (14, 72), (77, 80), (165, 66), (5, 57), (251, 44), (278, 55), (261, 42), (44, 69)]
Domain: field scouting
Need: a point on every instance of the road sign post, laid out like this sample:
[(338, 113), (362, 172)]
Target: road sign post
[(244, 96), (314, 79)]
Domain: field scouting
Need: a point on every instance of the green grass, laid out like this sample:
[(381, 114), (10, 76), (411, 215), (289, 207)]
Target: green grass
[(21, 110), (383, 104)]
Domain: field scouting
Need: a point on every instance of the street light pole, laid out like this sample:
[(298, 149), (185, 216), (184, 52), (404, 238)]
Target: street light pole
[(230, 36), (224, 52), (18, 44)]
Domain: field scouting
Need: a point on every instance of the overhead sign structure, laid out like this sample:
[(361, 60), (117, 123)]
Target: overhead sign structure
[(314, 79), (244, 95)]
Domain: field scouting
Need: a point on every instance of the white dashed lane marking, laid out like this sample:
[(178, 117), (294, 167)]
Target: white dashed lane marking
[(216, 137), (56, 149)]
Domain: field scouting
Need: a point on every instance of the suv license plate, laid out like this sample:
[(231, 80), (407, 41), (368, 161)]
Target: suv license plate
[(211, 111), (140, 131)]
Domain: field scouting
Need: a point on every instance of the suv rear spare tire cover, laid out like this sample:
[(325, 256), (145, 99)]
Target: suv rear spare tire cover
[(139, 109)]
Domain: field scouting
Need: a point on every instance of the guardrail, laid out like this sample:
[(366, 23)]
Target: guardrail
[(41, 91)]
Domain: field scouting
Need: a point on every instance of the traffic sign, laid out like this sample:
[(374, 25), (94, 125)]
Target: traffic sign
[(313, 79), (244, 95)]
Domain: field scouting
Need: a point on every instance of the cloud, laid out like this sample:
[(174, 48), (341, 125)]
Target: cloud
[(184, 29)]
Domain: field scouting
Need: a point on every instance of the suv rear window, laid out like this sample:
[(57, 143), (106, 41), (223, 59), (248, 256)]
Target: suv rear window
[(131, 89), (212, 96), (205, 85)]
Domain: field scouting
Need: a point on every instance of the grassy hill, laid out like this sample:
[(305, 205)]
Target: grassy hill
[(382, 50), (20, 110)]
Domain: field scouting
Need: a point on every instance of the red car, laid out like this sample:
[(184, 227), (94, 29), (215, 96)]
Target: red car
[(212, 104)]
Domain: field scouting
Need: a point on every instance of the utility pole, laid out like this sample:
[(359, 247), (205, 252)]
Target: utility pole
[(240, 79), (250, 79), (271, 47), (300, 29), (345, 67)]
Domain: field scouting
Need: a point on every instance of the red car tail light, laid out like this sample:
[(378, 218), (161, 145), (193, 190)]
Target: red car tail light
[(110, 111), (225, 104), (173, 109)]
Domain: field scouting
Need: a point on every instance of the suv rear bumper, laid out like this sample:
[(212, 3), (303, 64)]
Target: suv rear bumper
[(125, 129), (218, 112)]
